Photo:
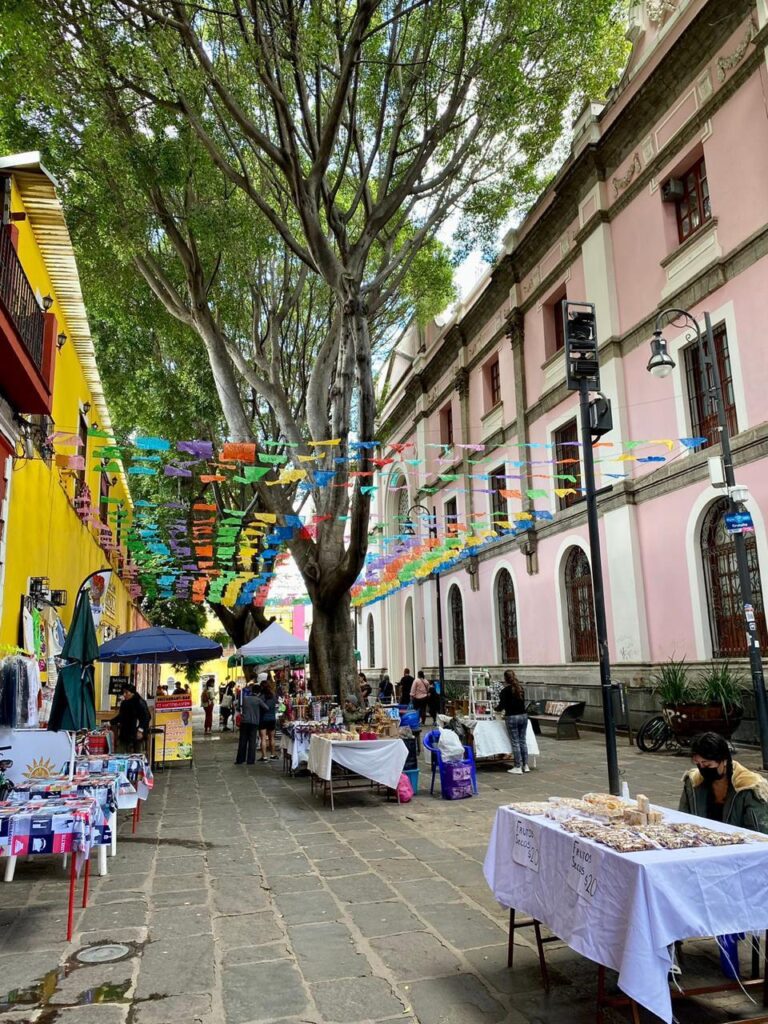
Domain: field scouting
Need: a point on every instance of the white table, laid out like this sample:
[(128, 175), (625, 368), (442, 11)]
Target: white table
[(297, 748), (380, 761), (625, 911), (492, 739)]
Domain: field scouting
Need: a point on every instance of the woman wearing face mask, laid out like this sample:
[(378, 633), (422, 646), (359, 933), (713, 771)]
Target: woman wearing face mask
[(721, 789)]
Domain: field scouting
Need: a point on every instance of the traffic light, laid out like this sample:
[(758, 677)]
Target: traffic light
[(580, 334)]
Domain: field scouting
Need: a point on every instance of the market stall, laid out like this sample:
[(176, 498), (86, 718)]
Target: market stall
[(161, 646), (379, 761), (275, 643), (621, 882), (491, 739)]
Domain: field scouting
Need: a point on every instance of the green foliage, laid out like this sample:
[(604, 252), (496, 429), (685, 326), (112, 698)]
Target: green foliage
[(720, 684), (175, 614), (672, 683)]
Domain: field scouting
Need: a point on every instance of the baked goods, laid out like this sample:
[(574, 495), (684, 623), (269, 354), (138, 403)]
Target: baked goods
[(530, 807)]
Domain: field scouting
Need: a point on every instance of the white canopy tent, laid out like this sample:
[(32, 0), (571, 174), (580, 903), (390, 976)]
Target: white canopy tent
[(274, 642)]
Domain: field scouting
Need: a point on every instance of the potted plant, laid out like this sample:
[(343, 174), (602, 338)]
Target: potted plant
[(711, 702)]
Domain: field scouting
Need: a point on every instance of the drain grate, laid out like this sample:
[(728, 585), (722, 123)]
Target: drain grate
[(104, 954)]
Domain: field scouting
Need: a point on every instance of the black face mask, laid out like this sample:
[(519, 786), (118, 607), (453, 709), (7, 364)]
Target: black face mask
[(710, 775)]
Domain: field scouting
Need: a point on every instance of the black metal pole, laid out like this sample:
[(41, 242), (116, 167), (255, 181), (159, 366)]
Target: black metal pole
[(606, 688), (440, 662), (709, 357)]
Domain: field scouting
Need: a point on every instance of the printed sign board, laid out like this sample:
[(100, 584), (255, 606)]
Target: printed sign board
[(175, 715)]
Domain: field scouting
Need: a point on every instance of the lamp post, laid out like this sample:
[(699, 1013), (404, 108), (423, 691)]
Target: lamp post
[(661, 365), (582, 372), (432, 528)]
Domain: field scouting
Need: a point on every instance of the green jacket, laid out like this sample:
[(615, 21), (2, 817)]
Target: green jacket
[(746, 805)]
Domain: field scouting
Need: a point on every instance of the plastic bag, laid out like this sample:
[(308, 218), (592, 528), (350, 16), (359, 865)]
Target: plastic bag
[(450, 746), (404, 790)]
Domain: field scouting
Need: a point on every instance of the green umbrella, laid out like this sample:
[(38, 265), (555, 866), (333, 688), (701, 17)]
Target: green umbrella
[(74, 704)]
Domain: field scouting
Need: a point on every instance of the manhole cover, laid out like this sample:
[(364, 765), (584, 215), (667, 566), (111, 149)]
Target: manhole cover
[(102, 954)]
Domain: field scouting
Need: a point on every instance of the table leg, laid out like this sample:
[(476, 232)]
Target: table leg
[(138, 810), (86, 880), (511, 946), (135, 817), (10, 869), (765, 968), (542, 958), (330, 784), (600, 993), (102, 855), (113, 829), (71, 905)]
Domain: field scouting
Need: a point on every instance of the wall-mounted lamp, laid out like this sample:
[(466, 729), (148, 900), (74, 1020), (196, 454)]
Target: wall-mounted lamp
[(113, 481), (61, 341), (472, 565), (528, 543), (86, 407), (47, 302)]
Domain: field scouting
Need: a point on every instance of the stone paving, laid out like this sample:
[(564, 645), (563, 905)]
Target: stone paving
[(243, 899)]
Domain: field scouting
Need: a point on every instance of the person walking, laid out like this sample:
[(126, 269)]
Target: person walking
[(512, 704), (207, 701), (250, 719), (420, 695), (225, 707), (404, 687), (386, 690), (268, 705)]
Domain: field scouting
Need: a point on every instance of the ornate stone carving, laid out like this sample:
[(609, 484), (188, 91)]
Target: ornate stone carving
[(619, 184), (726, 64), (515, 326), (461, 382), (658, 10)]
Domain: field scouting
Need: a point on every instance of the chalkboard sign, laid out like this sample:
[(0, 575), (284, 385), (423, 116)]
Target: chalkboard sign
[(116, 684)]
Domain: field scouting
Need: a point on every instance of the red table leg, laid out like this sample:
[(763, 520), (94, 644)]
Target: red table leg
[(71, 907), (135, 817), (86, 879)]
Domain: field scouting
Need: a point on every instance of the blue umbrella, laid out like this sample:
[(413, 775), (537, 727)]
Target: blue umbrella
[(158, 645)]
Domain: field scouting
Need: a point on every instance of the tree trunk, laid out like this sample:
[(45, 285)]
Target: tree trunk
[(332, 651), (242, 623)]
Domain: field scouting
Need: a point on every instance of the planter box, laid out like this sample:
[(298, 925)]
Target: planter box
[(686, 720)]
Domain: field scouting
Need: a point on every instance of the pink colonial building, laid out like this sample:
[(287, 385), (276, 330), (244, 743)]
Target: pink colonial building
[(663, 201)]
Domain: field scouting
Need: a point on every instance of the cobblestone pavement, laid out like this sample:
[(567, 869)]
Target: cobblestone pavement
[(244, 899)]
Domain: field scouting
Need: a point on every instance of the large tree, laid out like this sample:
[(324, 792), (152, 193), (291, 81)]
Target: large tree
[(346, 134)]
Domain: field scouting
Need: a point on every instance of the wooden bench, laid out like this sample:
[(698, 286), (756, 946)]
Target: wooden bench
[(563, 713)]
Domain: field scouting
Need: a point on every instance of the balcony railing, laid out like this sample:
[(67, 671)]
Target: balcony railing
[(20, 301)]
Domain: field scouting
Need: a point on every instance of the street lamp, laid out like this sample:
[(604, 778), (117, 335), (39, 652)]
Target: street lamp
[(432, 528), (661, 364), (582, 374)]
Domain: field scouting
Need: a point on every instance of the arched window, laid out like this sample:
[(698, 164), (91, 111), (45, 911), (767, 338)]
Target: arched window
[(456, 610), (371, 642), (506, 616), (581, 606), (726, 615)]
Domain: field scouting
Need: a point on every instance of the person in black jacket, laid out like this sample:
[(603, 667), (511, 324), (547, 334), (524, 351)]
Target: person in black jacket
[(512, 704), (404, 686), (132, 721)]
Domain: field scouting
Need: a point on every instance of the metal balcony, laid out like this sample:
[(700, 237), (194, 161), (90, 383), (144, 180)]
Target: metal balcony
[(20, 302)]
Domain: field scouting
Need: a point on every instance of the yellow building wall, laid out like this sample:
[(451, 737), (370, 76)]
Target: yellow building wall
[(45, 537)]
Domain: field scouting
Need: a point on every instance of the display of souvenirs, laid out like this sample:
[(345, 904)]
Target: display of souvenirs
[(626, 838), (530, 807), (382, 723)]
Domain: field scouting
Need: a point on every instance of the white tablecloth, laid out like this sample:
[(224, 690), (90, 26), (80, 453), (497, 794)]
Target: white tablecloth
[(491, 738), (639, 904), (298, 748), (381, 761)]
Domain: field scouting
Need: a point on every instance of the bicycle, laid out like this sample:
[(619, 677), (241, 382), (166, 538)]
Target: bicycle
[(654, 734)]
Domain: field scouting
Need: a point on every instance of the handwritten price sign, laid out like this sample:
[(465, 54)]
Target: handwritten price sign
[(584, 871), (526, 848)]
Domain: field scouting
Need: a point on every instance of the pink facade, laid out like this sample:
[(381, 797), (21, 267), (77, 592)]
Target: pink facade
[(614, 229)]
